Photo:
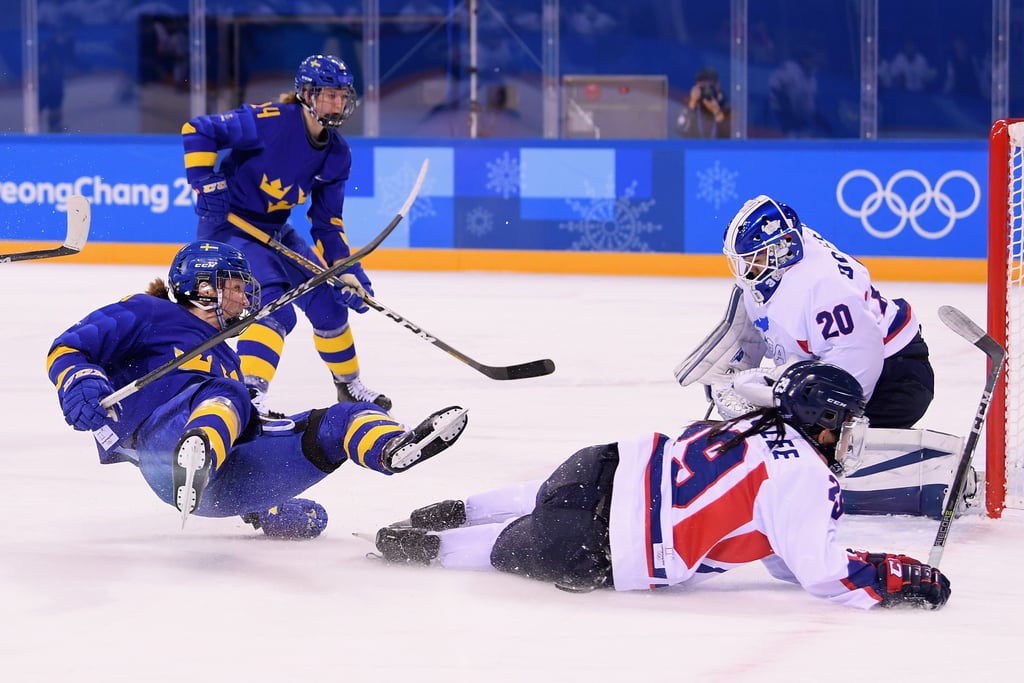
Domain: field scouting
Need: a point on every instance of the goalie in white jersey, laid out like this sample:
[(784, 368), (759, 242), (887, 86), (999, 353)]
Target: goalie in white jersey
[(804, 299), (661, 511)]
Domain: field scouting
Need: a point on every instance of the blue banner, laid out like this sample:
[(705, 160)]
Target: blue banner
[(910, 199)]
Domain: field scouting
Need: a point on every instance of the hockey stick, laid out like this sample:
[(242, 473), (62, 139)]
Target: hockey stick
[(966, 328), (536, 368), (291, 295), (79, 218)]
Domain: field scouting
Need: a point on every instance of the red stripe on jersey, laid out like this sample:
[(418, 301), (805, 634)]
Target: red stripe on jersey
[(805, 346), (901, 322), (850, 585), (741, 549), (698, 533), (647, 497)]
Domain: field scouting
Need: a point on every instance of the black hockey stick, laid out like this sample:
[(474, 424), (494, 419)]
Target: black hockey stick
[(536, 368), (291, 295), (79, 218), (966, 328)]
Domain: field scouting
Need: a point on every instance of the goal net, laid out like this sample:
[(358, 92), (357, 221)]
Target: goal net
[(1004, 436)]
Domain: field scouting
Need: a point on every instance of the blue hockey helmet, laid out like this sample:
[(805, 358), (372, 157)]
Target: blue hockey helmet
[(318, 72), (814, 396), (202, 270), (762, 240)]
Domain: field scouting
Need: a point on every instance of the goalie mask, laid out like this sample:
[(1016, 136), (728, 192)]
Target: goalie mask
[(762, 240), (814, 396), (214, 276), (321, 72)]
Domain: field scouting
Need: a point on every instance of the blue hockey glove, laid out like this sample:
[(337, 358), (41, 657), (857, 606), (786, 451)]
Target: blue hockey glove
[(357, 286), (295, 518), (80, 397), (904, 580), (212, 201)]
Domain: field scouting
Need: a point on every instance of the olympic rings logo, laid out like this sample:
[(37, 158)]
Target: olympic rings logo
[(898, 206)]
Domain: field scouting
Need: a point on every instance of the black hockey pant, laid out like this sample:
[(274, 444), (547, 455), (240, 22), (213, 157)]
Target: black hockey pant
[(565, 539), (905, 388)]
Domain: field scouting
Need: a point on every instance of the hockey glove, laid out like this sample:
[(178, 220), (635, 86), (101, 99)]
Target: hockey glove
[(212, 201), (295, 518), (904, 580), (80, 397), (357, 287)]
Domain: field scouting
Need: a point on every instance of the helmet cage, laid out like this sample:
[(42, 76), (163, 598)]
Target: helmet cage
[(760, 243), (200, 276), (814, 396), (320, 72)]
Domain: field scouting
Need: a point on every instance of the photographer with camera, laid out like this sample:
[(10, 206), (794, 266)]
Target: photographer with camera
[(706, 114)]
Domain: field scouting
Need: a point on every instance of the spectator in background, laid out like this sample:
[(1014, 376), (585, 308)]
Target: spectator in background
[(793, 95), (962, 70), (56, 55), (909, 70), (706, 113)]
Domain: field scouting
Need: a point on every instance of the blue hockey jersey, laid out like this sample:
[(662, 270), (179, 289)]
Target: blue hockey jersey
[(272, 166), (130, 338)]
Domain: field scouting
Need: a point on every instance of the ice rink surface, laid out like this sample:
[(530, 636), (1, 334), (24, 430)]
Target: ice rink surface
[(98, 582)]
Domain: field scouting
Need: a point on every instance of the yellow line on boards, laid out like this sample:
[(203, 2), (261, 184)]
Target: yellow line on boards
[(553, 262)]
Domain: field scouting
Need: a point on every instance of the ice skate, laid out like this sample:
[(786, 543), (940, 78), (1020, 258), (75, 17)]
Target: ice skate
[(407, 546), (430, 437), (355, 391), (447, 514), (259, 401), (190, 471)]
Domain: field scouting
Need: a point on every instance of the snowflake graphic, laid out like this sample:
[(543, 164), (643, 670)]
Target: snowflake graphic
[(503, 175), (479, 221), (611, 224), (717, 185), (394, 189)]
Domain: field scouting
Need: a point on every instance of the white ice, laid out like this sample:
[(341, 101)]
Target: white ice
[(98, 582)]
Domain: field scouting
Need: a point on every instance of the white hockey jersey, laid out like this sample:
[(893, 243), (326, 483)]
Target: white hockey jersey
[(683, 510), (825, 308)]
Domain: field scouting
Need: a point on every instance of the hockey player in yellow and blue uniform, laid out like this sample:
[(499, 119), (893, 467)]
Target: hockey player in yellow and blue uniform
[(273, 158), (194, 433)]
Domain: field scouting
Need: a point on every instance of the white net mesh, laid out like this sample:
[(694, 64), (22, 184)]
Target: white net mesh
[(1015, 321)]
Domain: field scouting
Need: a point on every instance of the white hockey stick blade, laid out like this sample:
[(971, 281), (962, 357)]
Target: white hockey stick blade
[(955, 320), (79, 220)]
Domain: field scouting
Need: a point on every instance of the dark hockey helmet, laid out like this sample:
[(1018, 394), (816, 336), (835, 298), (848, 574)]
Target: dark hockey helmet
[(814, 396), (200, 271), (762, 240), (325, 71)]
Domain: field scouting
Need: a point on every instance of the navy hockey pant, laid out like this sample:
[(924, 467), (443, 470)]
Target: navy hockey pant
[(565, 538), (905, 388)]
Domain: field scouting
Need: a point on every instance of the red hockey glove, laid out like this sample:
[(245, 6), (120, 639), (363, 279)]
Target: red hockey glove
[(904, 580)]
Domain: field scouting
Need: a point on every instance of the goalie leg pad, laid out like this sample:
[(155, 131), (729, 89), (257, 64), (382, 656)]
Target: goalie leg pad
[(904, 472)]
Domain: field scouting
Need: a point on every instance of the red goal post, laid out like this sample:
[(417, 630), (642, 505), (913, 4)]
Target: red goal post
[(1004, 435)]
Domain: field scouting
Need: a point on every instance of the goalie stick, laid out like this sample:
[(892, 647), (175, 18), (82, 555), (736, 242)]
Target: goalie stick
[(536, 368), (966, 328), (291, 295), (79, 218)]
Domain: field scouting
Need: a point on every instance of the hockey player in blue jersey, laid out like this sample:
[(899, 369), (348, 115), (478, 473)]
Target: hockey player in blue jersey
[(195, 434), (275, 156)]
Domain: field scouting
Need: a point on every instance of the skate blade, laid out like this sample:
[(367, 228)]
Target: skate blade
[(191, 461)]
